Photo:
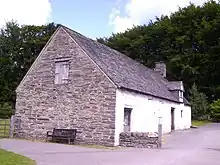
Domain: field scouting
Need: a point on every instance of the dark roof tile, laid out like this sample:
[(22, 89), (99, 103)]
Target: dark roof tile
[(175, 85)]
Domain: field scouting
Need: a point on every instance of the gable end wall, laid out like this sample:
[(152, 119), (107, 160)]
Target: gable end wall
[(87, 102)]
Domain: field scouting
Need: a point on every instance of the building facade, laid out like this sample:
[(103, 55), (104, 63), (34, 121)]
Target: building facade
[(79, 83)]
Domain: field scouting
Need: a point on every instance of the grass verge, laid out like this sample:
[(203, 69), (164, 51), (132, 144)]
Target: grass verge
[(199, 122), (10, 158)]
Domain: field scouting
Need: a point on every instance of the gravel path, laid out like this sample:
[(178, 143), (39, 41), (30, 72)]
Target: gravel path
[(191, 147)]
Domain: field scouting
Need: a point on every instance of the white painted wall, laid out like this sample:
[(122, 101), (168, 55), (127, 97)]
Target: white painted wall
[(145, 112)]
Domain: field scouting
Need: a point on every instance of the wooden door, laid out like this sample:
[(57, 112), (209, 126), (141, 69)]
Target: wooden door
[(127, 119), (172, 119)]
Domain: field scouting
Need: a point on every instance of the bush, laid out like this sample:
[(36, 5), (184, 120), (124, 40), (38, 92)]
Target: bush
[(5, 110), (215, 111)]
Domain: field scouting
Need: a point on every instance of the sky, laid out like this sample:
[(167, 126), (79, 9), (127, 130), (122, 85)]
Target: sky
[(92, 18)]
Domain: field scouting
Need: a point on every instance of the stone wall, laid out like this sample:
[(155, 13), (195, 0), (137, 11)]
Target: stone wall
[(139, 140), (86, 102)]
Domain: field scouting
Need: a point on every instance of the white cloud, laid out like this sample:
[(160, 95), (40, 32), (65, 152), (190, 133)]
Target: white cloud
[(141, 11), (31, 12), (120, 23)]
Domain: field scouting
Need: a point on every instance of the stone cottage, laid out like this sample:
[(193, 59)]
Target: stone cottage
[(76, 82)]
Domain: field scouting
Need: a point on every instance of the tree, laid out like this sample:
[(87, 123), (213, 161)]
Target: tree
[(215, 111), (188, 42), (19, 47), (5, 110), (199, 103)]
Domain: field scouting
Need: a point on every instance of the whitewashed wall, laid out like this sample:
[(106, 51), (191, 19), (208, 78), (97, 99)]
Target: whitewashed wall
[(145, 113)]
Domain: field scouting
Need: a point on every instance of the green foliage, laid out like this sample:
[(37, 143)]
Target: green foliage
[(199, 103), (5, 110), (199, 123), (188, 42), (215, 110), (19, 47)]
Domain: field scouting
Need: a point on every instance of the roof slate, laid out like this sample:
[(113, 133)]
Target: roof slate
[(175, 85), (122, 70)]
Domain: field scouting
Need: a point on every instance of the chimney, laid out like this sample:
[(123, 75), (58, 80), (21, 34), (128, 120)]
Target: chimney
[(161, 68)]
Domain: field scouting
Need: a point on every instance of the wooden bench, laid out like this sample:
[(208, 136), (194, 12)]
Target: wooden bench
[(62, 134)]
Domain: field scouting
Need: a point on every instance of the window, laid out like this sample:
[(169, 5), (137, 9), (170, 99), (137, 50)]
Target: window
[(181, 94), (181, 113), (61, 72)]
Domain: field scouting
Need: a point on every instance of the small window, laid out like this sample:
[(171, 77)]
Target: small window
[(61, 72), (181, 94), (181, 113)]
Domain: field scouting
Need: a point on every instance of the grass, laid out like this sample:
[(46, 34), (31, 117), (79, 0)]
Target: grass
[(199, 123), (10, 158), (4, 131)]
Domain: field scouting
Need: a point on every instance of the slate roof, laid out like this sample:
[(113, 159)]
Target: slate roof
[(125, 72), (175, 85)]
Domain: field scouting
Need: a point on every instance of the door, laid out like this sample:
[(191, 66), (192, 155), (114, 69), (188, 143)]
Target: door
[(172, 119), (127, 119)]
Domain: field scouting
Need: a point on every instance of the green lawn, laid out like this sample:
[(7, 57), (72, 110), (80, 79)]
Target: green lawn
[(10, 158), (199, 122), (4, 132)]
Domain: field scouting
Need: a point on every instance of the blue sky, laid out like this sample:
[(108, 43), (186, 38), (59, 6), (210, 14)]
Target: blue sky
[(90, 17), (93, 18)]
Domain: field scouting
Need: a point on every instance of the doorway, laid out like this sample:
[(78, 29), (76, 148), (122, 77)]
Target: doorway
[(127, 119), (172, 119)]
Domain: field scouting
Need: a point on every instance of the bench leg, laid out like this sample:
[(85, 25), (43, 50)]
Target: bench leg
[(68, 140)]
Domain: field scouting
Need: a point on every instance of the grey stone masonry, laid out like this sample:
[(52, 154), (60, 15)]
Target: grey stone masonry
[(137, 139), (86, 102)]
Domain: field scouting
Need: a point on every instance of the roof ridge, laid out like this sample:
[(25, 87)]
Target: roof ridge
[(65, 27)]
